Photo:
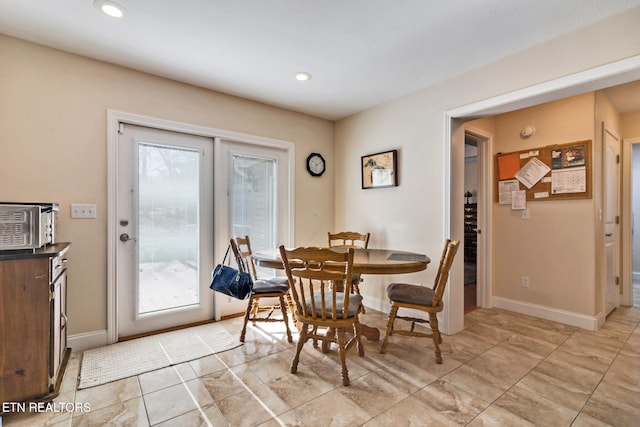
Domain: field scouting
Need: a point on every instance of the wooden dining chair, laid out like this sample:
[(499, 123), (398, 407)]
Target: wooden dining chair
[(312, 273), (275, 287), (423, 298), (350, 239)]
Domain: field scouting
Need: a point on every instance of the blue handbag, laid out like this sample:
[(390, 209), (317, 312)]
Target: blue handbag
[(229, 281)]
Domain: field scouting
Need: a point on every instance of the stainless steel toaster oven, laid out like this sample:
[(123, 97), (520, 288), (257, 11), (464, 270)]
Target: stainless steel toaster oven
[(27, 225)]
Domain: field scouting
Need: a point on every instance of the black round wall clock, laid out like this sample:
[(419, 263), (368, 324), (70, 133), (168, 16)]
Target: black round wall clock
[(316, 164)]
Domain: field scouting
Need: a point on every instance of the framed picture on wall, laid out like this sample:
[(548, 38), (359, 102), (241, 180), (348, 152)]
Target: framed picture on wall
[(380, 170)]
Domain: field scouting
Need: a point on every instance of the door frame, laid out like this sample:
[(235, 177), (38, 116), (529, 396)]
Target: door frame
[(114, 118)]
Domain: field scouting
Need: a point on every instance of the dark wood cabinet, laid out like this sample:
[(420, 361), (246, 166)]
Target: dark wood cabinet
[(33, 320), (470, 232)]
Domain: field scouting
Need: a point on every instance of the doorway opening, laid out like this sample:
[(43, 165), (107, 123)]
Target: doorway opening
[(470, 222), (476, 218), (635, 221), (622, 71)]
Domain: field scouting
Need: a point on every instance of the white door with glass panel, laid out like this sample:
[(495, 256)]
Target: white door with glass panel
[(256, 180), (164, 252), (612, 218)]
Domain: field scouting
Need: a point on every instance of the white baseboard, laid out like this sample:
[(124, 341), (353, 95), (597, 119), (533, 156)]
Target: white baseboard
[(583, 321), (87, 340), (591, 323)]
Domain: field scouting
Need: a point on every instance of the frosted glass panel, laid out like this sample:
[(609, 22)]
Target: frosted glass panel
[(168, 206), (254, 202)]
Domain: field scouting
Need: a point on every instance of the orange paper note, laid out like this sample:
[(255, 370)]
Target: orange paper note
[(508, 165)]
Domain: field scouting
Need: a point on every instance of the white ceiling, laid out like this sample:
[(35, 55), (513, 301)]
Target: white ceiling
[(360, 52)]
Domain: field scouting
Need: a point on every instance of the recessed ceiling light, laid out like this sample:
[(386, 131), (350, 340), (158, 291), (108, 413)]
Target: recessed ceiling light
[(109, 8), (303, 76)]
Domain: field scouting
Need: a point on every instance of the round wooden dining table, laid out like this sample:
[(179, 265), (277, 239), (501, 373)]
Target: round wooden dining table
[(365, 261)]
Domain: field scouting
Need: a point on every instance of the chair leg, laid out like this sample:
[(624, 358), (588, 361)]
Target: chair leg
[(356, 332), (283, 307), (290, 303), (301, 340), (355, 288), (326, 343), (389, 331), (314, 331), (247, 315), (343, 355), (255, 309), (433, 323)]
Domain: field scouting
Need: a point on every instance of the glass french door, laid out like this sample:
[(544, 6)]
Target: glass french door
[(165, 229), (257, 183)]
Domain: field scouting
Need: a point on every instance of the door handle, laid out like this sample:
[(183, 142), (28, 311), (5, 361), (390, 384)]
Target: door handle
[(609, 234), (124, 237)]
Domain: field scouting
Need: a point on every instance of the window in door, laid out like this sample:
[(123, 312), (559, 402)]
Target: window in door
[(257, 180), (254, 200)]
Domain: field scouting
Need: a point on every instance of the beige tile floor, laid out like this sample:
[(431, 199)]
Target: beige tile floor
[(504, 369)]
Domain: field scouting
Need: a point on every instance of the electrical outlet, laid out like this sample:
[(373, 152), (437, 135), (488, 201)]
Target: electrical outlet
[(525, 214), (79, 210), (525, 281)]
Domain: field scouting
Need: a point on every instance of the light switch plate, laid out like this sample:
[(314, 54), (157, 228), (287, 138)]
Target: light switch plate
[(79, 210)]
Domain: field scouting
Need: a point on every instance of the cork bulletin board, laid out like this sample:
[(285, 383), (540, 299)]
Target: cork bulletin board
[(553, 172)]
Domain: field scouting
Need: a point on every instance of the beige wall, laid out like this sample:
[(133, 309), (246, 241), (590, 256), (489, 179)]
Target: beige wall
[(53, 112), (413, 215), (545, 247), (630, 125)]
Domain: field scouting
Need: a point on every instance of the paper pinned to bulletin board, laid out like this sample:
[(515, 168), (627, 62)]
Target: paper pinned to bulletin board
[(555, 172), (508, 165)]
